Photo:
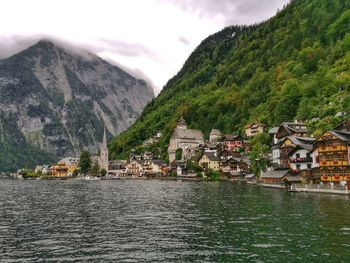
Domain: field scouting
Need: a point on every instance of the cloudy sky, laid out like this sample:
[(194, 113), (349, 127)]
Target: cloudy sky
[(148, 37)]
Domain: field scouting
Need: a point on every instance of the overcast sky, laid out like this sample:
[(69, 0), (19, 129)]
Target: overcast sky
[(151, 37)]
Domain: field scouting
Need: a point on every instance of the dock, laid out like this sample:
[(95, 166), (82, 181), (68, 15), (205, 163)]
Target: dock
[(324, 189)]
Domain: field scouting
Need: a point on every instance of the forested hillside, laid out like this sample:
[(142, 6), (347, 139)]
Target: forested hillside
[(294, 66)]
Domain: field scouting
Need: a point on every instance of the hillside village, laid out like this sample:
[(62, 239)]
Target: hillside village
[(295, 157)]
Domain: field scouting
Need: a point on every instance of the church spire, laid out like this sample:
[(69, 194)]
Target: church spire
[(104, 143), (104, 158)]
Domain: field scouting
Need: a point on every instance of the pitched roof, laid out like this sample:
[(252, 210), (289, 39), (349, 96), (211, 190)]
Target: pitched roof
[(211, 156), (275, 174), (303, 142), (293, 179), (294, 127), (187, 134), (231, 137), (342, 135), (158, 162)]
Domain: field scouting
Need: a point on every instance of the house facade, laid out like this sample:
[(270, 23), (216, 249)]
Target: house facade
[(210, 160), (254, 128), (232, 142), (333, 157)]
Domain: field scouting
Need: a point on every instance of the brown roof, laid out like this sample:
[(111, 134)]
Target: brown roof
[(231, 137)]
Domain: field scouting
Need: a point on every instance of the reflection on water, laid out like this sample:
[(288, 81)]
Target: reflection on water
[(154, 221)]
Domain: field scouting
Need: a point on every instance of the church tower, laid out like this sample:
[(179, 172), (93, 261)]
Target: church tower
[(104, 152)]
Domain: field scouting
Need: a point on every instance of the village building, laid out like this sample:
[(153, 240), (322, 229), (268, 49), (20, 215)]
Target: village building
[(297, 129), (178, 166), (65, 167), (226, 155), (153, 168), (254, 128), (232, 142), (247, 145), (210, 160), (288, 145), (117, 167), (135, 168), (185, 139), (215, 136), (333, 157), (274, 177), (234, 167), (300, 158), (251, 179), (275, 144)]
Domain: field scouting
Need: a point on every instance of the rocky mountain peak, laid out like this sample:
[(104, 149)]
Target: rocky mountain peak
[(59, 99)]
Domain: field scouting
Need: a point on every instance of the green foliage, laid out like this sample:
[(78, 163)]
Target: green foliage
[(213, 175), (193, 166), (95, 169), (294, 65), (103, 172), (85, 162), (178, 154)]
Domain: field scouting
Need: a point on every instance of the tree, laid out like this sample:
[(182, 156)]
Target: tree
[(95, 169), (85, 162), (178, 154), (103, 172), (75, 172)]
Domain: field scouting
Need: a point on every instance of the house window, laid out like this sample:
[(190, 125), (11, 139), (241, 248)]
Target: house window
[(308, 155), (298, 155), (298, 166), (309, 166)]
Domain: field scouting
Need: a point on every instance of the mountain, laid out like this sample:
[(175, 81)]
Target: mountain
[(295, 65), (55, 101)]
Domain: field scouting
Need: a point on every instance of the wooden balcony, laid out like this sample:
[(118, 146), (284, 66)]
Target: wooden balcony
[(337, 148), (323, 149), (334, 163)]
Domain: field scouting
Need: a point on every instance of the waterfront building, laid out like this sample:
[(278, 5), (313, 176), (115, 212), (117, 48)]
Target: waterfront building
[(233, 167), (333, 157), (65, 167), (254, 128), (135, 168), (275, 151), (274, 177), (210, 160), (289, 143), (187, 140), (301, 161)]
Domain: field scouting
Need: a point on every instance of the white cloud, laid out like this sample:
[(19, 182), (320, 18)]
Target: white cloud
[(150, 36)]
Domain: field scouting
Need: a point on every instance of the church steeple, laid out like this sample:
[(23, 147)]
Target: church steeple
[(104, 152), (181, 123)]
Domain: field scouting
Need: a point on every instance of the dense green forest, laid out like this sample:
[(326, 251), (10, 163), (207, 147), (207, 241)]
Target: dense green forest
[(296, 65)]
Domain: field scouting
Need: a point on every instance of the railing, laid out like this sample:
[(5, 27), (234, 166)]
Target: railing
[(301, 160), (319, 186), (333, 163)]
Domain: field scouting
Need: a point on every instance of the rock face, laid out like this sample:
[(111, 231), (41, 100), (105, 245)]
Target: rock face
[(58, 101)]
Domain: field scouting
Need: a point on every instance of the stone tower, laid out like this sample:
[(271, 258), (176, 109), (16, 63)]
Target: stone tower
[(104, 152)]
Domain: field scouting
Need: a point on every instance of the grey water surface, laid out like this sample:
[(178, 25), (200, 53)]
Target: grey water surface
[(168, 221)]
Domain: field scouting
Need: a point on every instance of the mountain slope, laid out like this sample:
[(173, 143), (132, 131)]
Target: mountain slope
[(55, 102), (294, 65)]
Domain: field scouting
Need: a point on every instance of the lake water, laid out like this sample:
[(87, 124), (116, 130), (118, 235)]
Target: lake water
[(168, 221)]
